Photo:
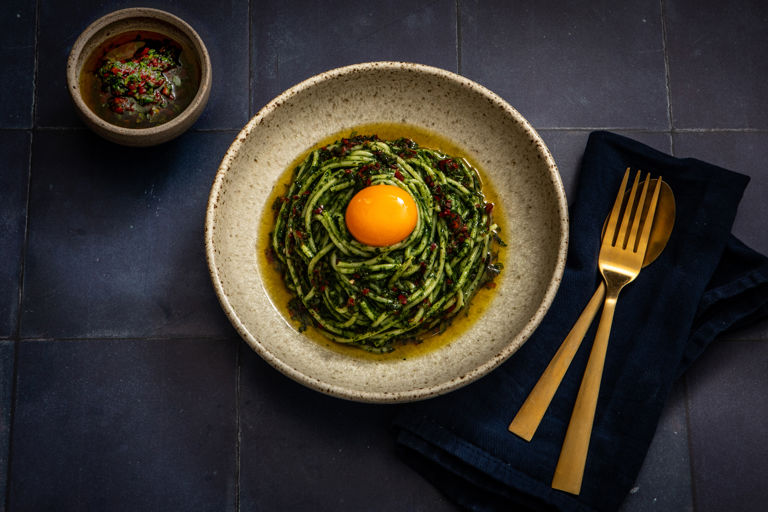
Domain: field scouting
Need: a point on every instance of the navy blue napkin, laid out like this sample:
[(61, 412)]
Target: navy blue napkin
[(704, 283)]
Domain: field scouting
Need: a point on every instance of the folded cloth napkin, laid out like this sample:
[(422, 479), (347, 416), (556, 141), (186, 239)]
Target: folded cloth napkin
[(704, 283)]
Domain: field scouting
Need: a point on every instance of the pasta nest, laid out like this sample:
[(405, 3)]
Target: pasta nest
[(375, 297)]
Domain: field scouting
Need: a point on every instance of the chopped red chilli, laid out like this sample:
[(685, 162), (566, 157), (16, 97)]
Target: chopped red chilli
[(139, 79)]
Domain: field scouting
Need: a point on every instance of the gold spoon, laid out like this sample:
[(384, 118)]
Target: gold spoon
[(529, 416)]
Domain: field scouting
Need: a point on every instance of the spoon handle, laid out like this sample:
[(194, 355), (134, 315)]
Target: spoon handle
[(529, 416)]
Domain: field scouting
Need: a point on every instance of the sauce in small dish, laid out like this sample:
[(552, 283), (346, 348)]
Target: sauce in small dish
[(139, 76), (139, 79)]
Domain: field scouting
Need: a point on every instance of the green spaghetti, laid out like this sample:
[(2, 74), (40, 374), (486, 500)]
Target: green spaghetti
[(376, 297)]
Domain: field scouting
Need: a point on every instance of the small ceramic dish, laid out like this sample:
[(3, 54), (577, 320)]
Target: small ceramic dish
[(154, 106), (492, 135)]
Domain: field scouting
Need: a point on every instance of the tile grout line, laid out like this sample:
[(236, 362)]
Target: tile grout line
[(598, 128), (35, 69), (23, 256), (538, 128), (224, 338), (458, 38), (667, 84), (238, 427), (136, 339), (14, 386), (25, 241), (85, 129), (250, 60), (689, 442), (649, 130)]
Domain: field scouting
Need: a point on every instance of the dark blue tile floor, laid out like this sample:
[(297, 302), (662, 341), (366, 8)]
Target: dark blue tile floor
[(7, 363), (115, 242), (727, 410), (570, 64), (292, 41), (117, 425), (331, 440), (664, 483), (716, 73), (122, 384), (17, 53)]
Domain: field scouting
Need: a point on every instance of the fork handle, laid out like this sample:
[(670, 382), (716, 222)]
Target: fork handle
[(573, 455), (528, 418)]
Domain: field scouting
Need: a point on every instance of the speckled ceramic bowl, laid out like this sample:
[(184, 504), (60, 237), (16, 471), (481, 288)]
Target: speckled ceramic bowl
[(140, 19), (493, 134)]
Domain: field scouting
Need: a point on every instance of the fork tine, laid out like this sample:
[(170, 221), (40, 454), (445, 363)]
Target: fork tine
[(613, 219), (642, 245), (638, 215), (621, 240)]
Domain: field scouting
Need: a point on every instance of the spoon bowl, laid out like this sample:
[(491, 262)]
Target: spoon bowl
[(663, 222)]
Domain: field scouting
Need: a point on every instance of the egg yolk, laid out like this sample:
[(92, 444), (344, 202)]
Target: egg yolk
[(381, 215)]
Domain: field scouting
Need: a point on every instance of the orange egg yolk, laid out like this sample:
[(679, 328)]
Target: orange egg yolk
[(381, 215)]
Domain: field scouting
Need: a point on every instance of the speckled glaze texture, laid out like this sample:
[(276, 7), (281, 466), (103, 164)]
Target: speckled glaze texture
[(127, 20), (493, 134)]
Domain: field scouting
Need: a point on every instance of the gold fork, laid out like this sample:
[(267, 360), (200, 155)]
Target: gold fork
[(621, 258)]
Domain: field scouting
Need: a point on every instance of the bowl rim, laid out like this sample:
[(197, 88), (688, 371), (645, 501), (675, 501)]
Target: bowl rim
[(192, 110), (418, 393)]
